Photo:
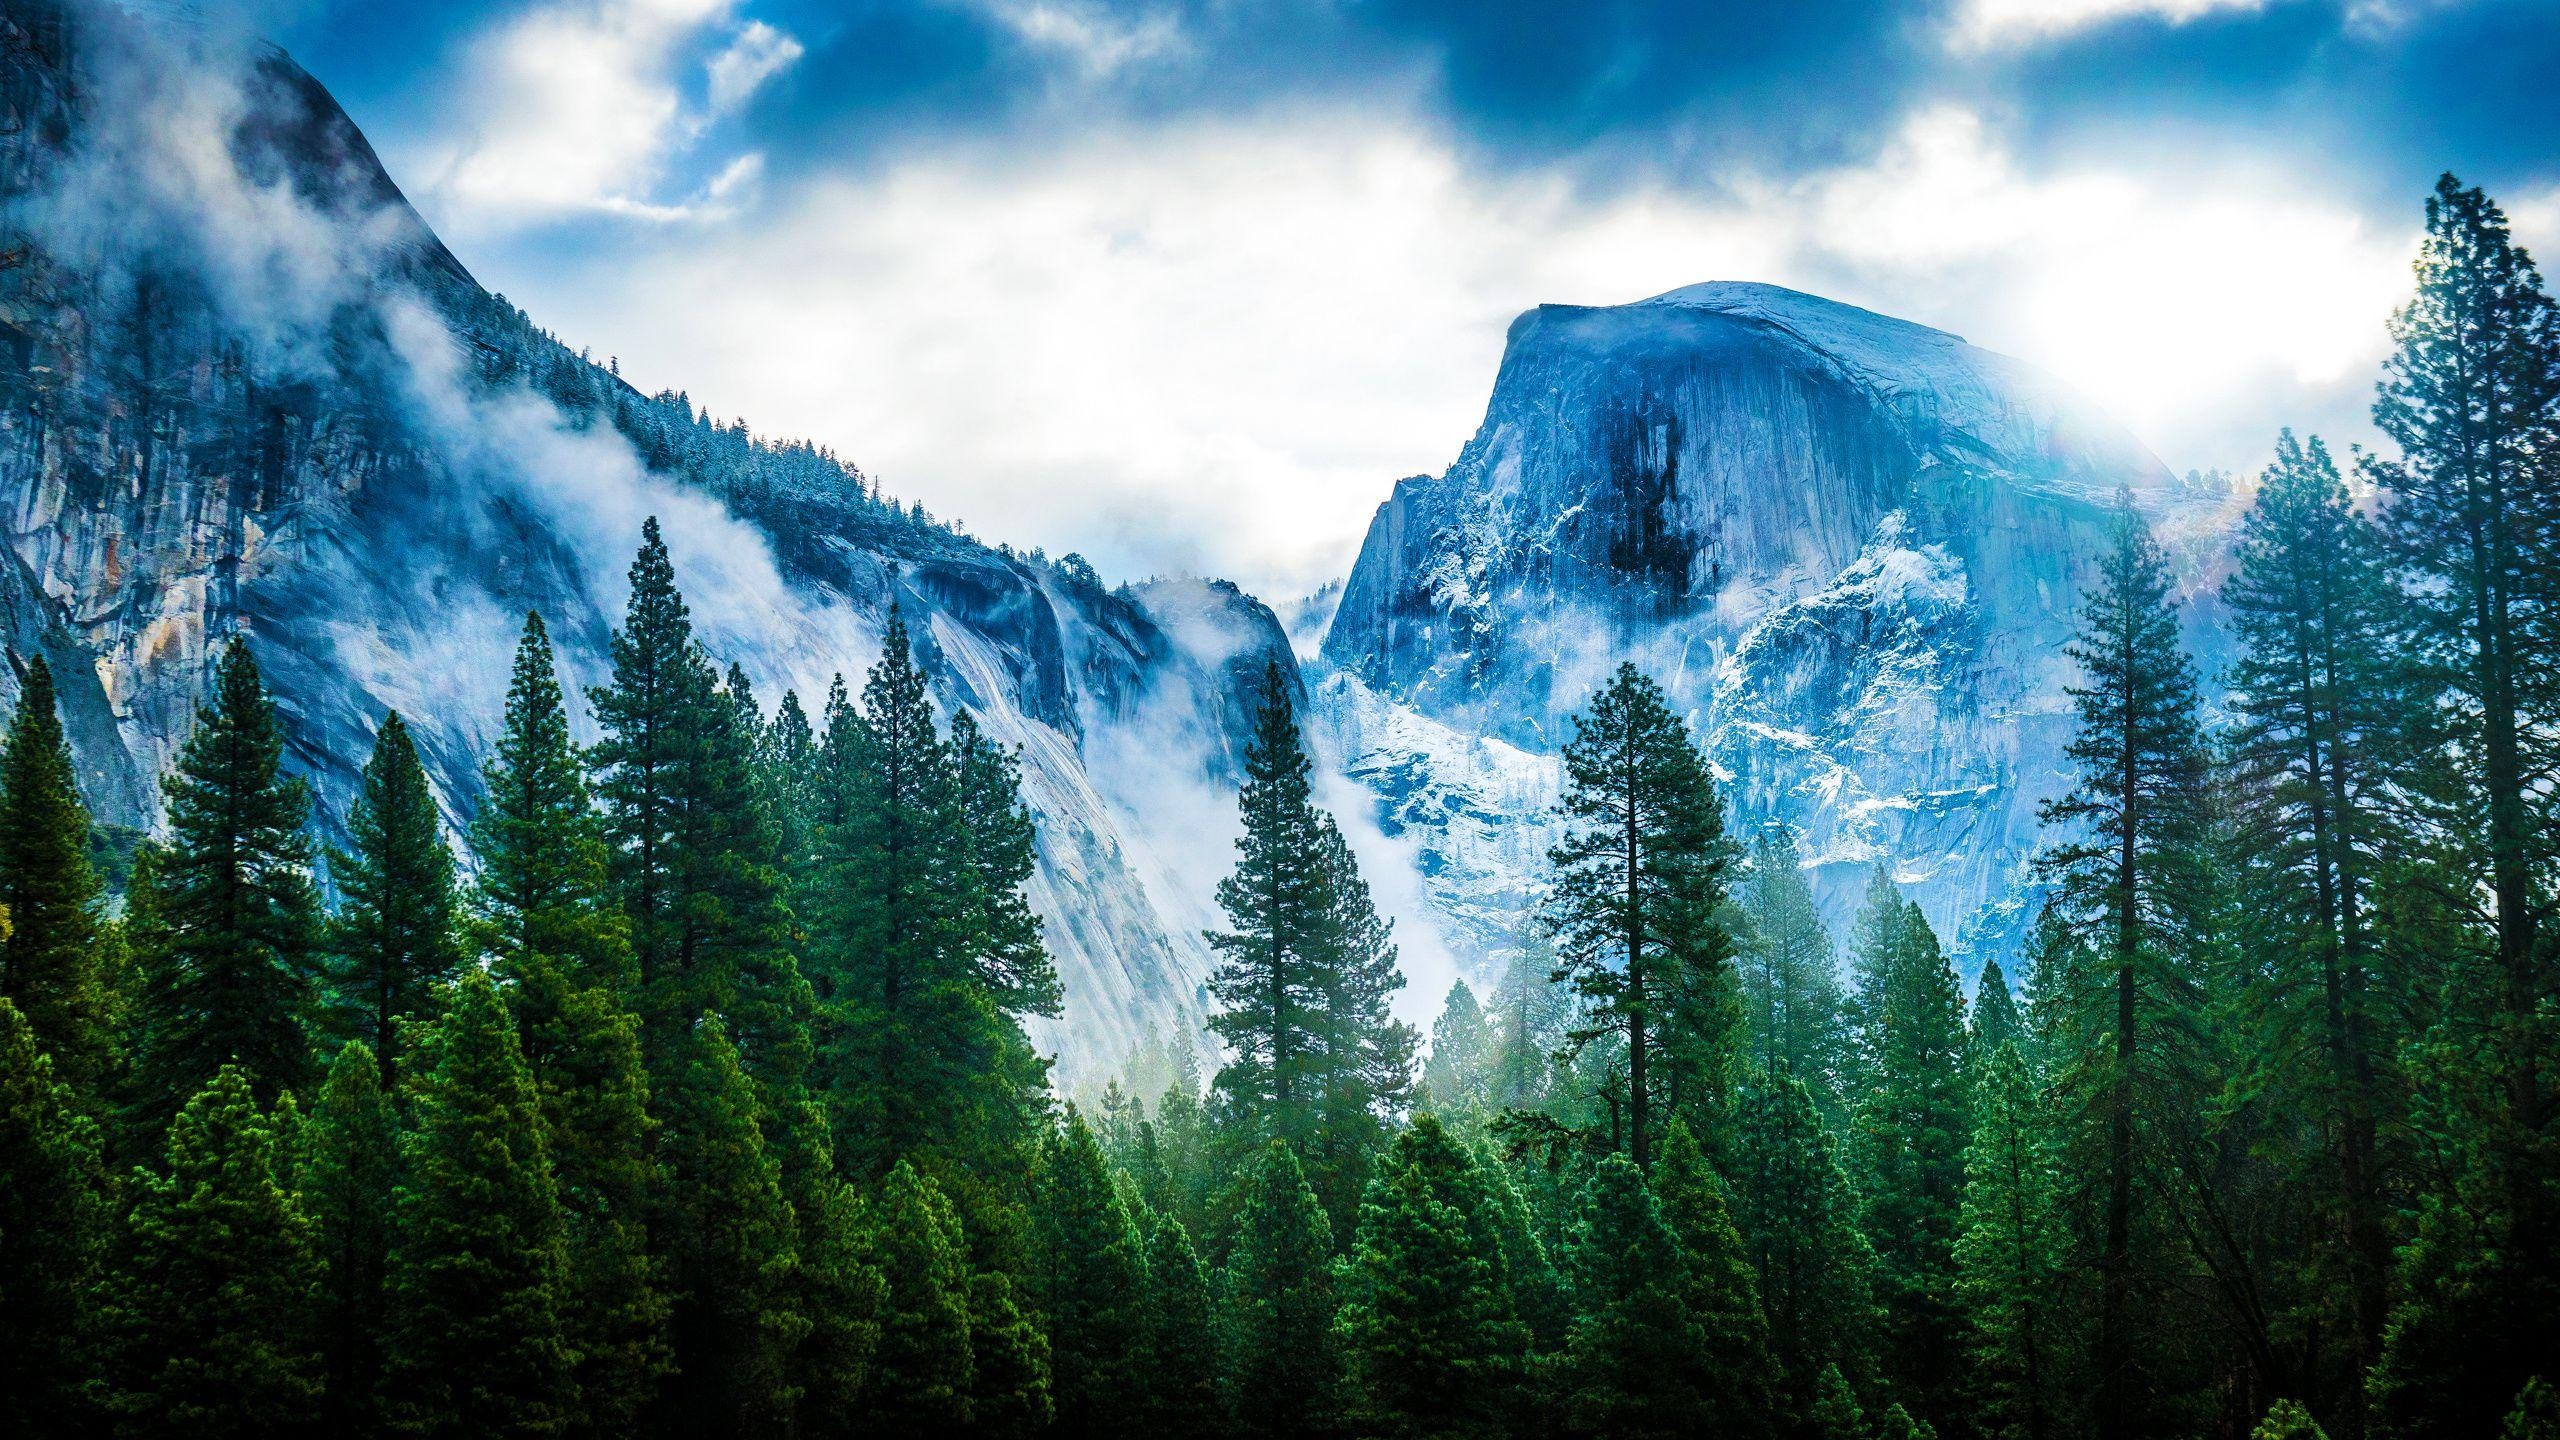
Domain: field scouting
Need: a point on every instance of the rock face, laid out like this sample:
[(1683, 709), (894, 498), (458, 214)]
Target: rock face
[(1849, 547), (244, 392)]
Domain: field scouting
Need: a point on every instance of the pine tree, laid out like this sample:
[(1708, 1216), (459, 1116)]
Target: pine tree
[(1531, 1016), (1304, 974), (393, 940), (1181, 1339), (53, 1228), (652, 717), (1912, 1120), (1719, 1288), (2536, 1415), (2010, 1270), (728, 1235), (1009, 1357), (349, 1169), (477, 1278), (1790, 979), (2131, 884), (210, 1316), (1282, 1367), (561, 949), (1457, 1078), (229, 972), (1638, 883), (841, 1295), (1631, 1364), (922, 1374), (1797, 1211), (49, 958), (1092, 1287), (1835, 1414), (1425, 1327), (1994, 1020), (2471, 397), (2287, 1420), (2326, 705), (922, 954)]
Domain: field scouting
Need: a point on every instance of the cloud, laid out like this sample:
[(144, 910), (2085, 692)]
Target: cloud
[(589, 106), (1214, 345), (1986, 24)]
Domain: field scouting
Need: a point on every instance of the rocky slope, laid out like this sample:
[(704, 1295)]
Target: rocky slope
[(1848, 545), (244, 391)]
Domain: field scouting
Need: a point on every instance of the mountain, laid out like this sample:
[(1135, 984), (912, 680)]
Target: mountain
[(246, 392), (1848, 545)]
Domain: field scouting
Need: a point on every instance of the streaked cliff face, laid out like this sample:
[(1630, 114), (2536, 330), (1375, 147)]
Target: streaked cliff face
[(247, 393), (1848, 546)]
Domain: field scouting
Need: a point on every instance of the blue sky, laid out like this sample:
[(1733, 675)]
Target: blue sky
[(1188, 285)]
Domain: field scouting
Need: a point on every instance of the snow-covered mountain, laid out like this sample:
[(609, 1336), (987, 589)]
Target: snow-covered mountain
[(245, 391), (1848, 545)]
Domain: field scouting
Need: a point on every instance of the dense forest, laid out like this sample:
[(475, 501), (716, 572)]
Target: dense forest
[(701, 1102)]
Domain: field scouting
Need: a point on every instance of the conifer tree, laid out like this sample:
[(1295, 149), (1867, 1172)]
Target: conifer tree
[(349, 1169), (1797, 1211), (1639, 880), (1632, 1362), (923, 956), (2536, 1415), (922, 1374), (841, 1295), (393, 940), (1458, 1076), (211, 1313), (1718, 1286), (1092, 1287), (1304, 976), (2287, 1420), (2131, 885), (652, 717), (229, 973), (1835, 1413), (1912, 1120), (1281, 1365), (2010, 1268), (53, 1229), (1425, 1327), (729, 1236), (1183, 1402), (2471, 398), (1009, 1359), (1531, 1016), (1994, 1020), (477, 1278), (49, 957), (1790, 978)]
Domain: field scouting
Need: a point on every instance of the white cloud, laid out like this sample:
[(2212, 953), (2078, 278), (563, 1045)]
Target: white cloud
[(1098, 40), (1987, 24), (582, 105), (1215, 346)]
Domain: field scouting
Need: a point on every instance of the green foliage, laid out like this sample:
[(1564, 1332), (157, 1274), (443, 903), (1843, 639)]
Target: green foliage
[(210, 1317), (1639, 881), (2011, 1280), (393, 940), (1092, 1288), (1458, 1076), (53, 1228), (1183, 1402), (49, 948), (1427, 1328), (1835, 1414), (348, 1173), (2536, 1415), (1912, 1117), (1304, 976), (1012, 1393), (1797, 1211), (1719, 1287), (1794, 1014), (729, 1238), (1633, 1358), (923, 1374), (2287, 1420), (478, 1274), (228, 939), (1282, 1369)]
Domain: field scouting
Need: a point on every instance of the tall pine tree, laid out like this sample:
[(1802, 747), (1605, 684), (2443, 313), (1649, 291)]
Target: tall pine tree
[(348, 1171), (1283, 1372), (49, 958), (1639, 880), (393, 941), (54, 1221)]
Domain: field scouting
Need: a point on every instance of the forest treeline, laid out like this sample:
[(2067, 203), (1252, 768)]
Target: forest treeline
[(703, 1105)]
